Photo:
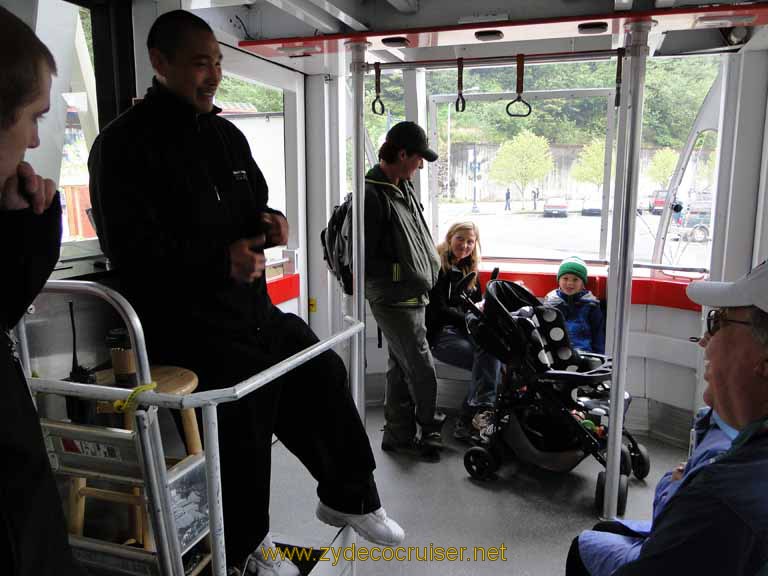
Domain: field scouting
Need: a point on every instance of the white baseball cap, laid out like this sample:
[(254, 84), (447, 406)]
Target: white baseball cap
[(749, 290)]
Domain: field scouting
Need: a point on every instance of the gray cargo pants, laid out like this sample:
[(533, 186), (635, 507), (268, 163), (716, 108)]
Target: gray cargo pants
[(411, 381)]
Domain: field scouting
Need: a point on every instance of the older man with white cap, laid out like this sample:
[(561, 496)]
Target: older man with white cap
[(717, 521)]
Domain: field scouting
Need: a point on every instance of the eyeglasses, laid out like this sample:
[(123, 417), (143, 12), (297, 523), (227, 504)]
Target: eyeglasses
[(717, 318)]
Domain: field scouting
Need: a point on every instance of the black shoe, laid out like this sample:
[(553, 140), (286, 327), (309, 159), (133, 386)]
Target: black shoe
[(430, 445), (429, 453), (390, 443), (432, 439)]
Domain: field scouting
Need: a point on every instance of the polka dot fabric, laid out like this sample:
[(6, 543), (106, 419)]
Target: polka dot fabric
[(551, 326)]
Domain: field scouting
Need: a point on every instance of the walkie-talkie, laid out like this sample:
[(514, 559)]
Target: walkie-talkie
[(79, 411)]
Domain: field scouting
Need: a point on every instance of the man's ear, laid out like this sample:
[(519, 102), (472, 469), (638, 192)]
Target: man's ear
[(159, 61), (402, 155)]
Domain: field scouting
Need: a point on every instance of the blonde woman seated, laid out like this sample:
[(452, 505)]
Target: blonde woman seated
[(446, 328)]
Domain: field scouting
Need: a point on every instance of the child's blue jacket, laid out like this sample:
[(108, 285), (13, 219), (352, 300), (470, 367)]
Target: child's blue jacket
[(583, 318)]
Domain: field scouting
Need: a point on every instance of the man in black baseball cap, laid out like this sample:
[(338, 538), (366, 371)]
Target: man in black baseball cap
[(410, 137), (401, 267)]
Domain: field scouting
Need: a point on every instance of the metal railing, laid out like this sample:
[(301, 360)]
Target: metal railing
[(208, 400)]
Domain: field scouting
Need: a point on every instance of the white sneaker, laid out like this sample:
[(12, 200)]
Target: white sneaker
[(375, 526), (260, 564)]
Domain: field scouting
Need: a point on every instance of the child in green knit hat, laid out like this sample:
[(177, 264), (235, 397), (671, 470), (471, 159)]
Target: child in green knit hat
[(583, 315)]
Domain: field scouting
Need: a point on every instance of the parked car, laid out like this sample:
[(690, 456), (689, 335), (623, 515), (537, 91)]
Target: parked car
[(592, 207), (555, 207), (657, 206), (697, 221)]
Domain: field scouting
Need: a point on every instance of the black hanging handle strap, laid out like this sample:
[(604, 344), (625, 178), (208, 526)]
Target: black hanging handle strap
[(461, 104), (520, 88), (377, 106), (619, 65)]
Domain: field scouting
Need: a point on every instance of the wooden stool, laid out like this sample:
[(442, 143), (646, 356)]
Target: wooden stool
[(170, 380)]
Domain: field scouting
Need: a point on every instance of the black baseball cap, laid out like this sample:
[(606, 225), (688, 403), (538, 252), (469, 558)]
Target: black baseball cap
[(412, 137)]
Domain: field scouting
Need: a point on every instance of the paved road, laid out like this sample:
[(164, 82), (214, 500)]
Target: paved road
[(517, 235)]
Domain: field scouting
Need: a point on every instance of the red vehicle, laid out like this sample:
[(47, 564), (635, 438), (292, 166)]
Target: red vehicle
[(556, 207), (657, 204)]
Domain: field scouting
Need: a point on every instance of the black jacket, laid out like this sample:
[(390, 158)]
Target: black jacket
[(30, 249), (445, 308), (33, 538), (171, 190)]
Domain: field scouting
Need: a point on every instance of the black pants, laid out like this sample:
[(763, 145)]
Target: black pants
[(310, 410), (574, 565), (33, 538)]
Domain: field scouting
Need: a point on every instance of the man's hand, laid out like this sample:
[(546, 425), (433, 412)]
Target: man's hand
[(247, 262), (27, 189), (275, 229)]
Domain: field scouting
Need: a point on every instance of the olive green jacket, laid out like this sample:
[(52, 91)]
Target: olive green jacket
[(401, 263)]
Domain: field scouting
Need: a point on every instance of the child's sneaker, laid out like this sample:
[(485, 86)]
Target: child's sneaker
[(482, 420)]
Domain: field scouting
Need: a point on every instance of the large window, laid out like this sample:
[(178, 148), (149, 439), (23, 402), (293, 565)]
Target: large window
[(537, 186), (680, 119), (70, 128), (257, 110), (534, 185)]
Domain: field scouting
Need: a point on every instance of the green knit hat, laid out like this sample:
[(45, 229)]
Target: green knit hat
[(573, 265)]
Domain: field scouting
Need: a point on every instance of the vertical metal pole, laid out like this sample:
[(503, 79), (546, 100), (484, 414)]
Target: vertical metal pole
[(434, 188), (475, 170), (448, 153), (622, 101), (610, 132), (638, 51), (163, 496), (20, 332), (155, 486), (357, 368), (215, 500)]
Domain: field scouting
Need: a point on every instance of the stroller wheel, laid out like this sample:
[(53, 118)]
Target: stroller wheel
[(600, 492), (621, 503), (626, 460), (480, 463), (641, 462)]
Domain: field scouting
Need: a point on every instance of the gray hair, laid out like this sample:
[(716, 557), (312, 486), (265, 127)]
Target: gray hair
[(759, 320)]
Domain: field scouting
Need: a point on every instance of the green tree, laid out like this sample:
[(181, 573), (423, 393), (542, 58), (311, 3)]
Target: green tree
[(522, 161), (85, 21), (662, 165), (590, 165), (265, 99)]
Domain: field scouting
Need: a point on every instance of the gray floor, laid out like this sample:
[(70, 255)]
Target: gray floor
[(535, 514)]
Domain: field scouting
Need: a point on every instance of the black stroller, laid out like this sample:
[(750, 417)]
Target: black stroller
[(553, 402)]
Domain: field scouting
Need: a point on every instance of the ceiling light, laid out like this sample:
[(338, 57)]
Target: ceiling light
[(297, 48), (489, 35), (396, 42), (593, 27)]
